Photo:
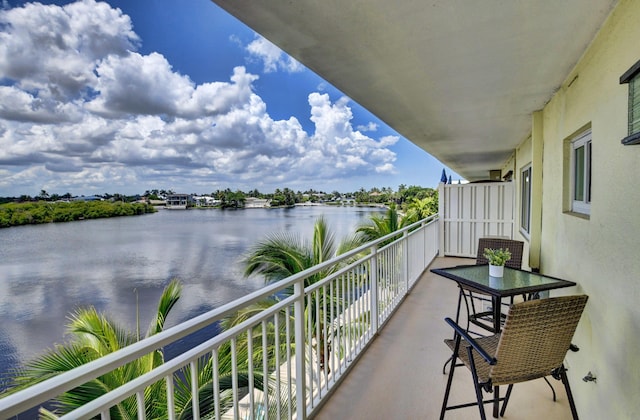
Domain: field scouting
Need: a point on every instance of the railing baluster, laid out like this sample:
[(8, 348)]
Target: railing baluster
[(265, 364), (250, 369), (325, 337), (318, 347), (141, 407), (289, 365), (171, 407), (276, 363), (234, 378), (301, 395), (332, 317), (216, 383)]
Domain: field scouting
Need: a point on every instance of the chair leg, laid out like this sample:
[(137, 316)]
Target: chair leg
[(453, 358), (565, 381), (506, 400), (552, 389), (477, 385), (444, 367)]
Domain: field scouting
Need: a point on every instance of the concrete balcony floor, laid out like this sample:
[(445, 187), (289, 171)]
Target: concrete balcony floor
[(400, 375)]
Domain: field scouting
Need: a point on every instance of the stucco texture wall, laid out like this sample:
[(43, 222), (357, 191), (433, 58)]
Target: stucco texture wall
[(600, 253)]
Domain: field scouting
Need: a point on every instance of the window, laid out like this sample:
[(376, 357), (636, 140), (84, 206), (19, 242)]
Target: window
[(632, 77), (525, 200), (581, 173)]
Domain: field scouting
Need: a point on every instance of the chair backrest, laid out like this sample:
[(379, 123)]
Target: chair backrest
[(535, 338), (515, 247)]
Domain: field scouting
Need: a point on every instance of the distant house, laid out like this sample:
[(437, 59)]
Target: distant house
[(88, 198), (205, 201), (178, 201), (256, 203)]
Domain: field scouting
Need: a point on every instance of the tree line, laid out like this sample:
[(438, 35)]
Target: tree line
[(228, 198), (29, 213)]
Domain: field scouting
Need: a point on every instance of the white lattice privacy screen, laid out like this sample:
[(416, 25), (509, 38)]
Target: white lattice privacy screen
[(472, 211)]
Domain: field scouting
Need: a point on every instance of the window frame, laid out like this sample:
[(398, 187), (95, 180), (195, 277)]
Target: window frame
[(581, 204), (525, 199), (632, 78)]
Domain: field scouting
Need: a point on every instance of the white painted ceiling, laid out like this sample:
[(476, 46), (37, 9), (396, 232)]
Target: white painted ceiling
[(459, 78)]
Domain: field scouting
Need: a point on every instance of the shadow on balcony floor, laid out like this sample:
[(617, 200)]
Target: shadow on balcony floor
[(400, 375)]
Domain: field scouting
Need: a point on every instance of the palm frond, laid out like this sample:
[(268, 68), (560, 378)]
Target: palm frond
[(168, 299), (277, 257), (95, 331)]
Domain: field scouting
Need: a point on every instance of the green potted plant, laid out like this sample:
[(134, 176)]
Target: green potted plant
[(497, 259)]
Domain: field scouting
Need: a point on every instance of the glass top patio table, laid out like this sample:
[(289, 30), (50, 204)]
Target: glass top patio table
[(514, 281)]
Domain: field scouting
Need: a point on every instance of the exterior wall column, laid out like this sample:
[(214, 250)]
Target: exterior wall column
[(537, 149)]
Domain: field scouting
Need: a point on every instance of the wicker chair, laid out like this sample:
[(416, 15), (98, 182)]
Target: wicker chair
[(533, 344), (473, 298)]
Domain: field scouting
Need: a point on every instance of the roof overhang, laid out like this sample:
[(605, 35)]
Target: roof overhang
[(458, 78)]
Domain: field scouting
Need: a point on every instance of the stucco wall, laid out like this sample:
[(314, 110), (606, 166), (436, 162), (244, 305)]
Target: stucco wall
[(517, 162), (601, 253)]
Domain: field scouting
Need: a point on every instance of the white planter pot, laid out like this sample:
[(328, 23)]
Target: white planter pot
[(496, 270)]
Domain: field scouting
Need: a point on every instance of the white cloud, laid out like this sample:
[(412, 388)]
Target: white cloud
[(86, 113), (53, 50), (20, 105), (272, 57), (369, 127)]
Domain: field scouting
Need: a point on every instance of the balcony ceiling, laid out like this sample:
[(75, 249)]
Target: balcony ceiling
[(458, 78)]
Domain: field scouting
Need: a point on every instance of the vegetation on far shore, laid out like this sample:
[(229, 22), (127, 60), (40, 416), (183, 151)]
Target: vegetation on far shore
[(29, 213), (50, 208)]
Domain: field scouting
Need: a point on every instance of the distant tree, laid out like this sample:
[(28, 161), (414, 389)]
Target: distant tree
[(361, 196), (44, 196), (232, 199), (255, 193)]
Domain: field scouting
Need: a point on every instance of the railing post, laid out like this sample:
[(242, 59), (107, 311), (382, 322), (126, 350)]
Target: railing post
[(374, 288), (405, 260), (301, 375), (442, 197)]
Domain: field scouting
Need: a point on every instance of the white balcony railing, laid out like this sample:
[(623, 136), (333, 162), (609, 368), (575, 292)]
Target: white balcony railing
[(282, 361)]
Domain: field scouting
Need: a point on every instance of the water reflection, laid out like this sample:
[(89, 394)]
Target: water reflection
[(47, 271)]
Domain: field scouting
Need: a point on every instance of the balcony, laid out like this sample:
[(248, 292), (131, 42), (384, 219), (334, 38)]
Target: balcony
[(378, 355), (400, 374)]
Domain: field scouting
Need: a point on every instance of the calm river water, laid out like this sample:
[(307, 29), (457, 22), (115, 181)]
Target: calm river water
[(46, 271)]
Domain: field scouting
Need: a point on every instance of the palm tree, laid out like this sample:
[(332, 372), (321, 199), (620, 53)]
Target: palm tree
[(283, 255), (379, 226), (94, 335), (277, 257), (421, 208)]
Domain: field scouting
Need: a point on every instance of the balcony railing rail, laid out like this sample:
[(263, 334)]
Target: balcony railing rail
[(298, 340)]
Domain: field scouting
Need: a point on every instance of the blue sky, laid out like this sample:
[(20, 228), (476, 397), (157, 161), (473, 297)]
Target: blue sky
[(128, 96)]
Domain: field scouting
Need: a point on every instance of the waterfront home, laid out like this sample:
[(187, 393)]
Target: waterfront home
[(543, 93), (205, 201), (177, 201), (256, 203)]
